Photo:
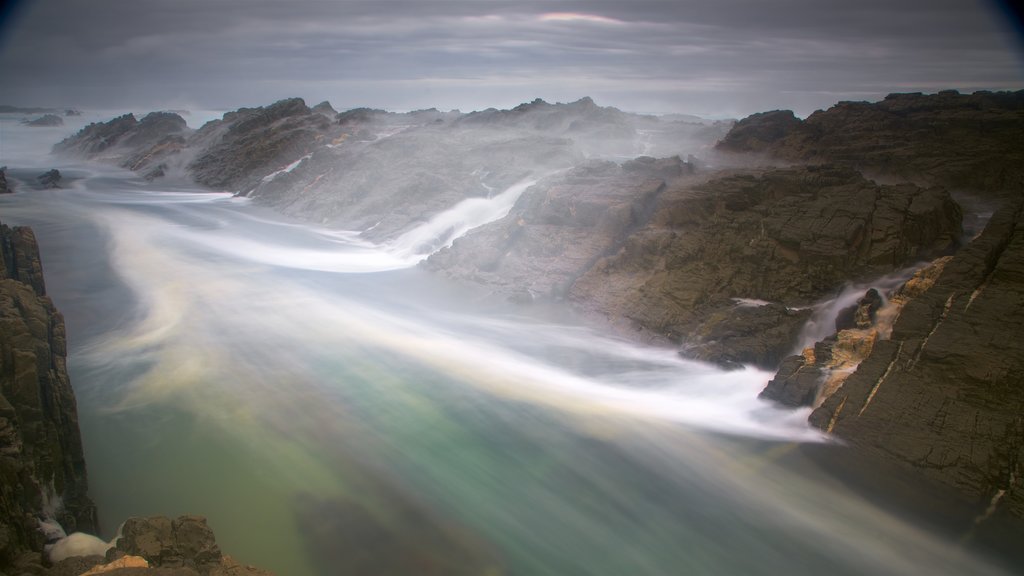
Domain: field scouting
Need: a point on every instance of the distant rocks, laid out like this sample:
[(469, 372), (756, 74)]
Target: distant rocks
[(127, 142), (46, 120), (5, 188), (236, 152), (49, 179), (326, 109)]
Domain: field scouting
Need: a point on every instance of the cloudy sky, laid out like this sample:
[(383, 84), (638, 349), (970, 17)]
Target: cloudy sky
[(711, 57)]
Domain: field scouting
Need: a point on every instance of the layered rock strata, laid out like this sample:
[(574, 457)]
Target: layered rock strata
[(41, 460), (944, 394)]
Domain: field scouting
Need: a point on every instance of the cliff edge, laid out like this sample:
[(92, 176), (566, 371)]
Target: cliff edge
[(41, 459)]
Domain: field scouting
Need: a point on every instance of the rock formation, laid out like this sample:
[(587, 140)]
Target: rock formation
[(49, 179), (785, 236), (944, 394), (244, 146), (321, 165), (931, 382), (161, 546), (41, 460), (127, 142), (950, 139), (45, 121), (5, 188)]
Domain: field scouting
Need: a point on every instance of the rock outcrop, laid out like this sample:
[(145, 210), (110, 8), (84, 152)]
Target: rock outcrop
[(134, 144), (45, 121), (5, 187), (41, 461), (784, 236), (961, 141), (160, 546), (49, 180), (237, 151), (943, 395)]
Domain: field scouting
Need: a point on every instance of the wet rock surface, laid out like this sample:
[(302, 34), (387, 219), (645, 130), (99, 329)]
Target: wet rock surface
[(787, 236), (944, 394), (41, 457)]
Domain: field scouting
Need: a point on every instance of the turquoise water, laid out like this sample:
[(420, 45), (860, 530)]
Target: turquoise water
[(332, 409)]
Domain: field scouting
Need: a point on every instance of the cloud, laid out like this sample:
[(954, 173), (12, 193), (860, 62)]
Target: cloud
[(229, 53), (577, 17)]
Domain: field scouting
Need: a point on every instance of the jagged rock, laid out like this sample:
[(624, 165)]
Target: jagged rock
[(326, 109), (186, 541), (790, 236), (956, 140), (183, 546), (5, 188), (808, 378), (127, 142), (46, 120), (244, 146), (49, 179), (40, 445), (944, 395)]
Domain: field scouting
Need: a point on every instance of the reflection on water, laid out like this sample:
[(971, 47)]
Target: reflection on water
[(333, 410)]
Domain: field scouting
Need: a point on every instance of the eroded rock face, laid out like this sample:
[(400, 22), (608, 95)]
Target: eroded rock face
[(944, 395), (41, 457), (968, 141), (788, 236)]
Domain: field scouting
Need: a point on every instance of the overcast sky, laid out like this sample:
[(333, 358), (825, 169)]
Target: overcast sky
[(711, 57)]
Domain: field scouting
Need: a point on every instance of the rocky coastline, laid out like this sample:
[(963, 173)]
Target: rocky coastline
[(725, 256)]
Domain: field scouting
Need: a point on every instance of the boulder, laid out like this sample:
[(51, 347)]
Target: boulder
[(183, 546)]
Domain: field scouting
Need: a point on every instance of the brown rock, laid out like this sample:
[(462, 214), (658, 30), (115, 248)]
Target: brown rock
[(944, 396), (40, 444), (789, 236), (964, 141)]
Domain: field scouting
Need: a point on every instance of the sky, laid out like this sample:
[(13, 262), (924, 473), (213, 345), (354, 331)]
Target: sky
[(717, 58)]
